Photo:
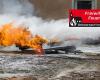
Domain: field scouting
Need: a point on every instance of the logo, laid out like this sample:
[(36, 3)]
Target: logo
[(84, 18)]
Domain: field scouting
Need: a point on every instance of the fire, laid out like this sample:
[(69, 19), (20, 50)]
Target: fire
[(36, 43), (21, 37)]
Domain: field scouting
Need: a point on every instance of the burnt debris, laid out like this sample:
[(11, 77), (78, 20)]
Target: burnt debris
[(63, 49)]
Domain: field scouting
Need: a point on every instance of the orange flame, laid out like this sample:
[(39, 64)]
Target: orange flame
[(21, 36)]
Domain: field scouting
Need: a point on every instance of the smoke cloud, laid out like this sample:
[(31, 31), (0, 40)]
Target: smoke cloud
[(21, 12), (16, 7)]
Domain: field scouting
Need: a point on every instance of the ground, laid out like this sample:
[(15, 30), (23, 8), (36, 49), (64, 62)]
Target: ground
[(49, 67)]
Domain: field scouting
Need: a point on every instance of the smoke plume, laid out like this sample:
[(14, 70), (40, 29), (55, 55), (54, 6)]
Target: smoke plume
[(22, 12)]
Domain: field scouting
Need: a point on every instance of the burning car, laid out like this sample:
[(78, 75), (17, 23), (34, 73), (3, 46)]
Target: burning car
[(22, 38)]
